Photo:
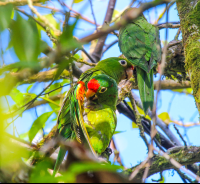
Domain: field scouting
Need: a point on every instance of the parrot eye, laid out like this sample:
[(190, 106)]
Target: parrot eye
[(123, 62), (102, 90)]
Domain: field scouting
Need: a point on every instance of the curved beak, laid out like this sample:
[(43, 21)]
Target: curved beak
[(129, 72), (89, 93)]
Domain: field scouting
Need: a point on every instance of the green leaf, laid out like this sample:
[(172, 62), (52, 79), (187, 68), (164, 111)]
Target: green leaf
[(66, 38), (189, 90), (141, 112), (25, 39), (165, 117), (134, 125), (116, 13), (118, 132), (5, 16), (52, 20), (24, 135), (40, 173), (29, 87), (38, 124), (17, 96), (77, 1)]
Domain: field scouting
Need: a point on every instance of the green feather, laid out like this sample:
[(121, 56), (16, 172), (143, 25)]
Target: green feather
[(139, 42), (146, 88)]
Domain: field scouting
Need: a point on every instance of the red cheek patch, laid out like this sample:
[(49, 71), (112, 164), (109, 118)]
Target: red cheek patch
[(93, 85)]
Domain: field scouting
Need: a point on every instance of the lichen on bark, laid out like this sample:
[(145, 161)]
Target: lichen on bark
[(189, 13)]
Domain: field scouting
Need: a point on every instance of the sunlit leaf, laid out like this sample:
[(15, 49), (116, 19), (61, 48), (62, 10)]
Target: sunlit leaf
[(29, 87), (141, 112), (163, 180), (165, 117), (116, 14), (5, 16), (38, 124), (77, 1), (24, 135), (17, 96), (189, 90), (134, 125)]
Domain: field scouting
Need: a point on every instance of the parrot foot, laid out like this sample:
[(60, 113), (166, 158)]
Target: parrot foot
[(106, 154)]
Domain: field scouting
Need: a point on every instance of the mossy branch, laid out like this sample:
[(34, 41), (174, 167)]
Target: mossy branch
[(190, 26), (159, 163)]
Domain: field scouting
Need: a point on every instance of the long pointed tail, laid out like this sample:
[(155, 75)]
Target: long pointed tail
[(146, 88), (59, 160)]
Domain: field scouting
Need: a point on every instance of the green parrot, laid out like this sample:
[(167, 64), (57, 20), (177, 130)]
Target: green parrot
[(140, 43), (71, 121)]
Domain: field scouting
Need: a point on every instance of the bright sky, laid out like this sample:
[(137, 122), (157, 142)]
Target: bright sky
[(131, 146)]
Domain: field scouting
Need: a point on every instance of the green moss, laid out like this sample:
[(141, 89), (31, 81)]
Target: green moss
[(189, 13)]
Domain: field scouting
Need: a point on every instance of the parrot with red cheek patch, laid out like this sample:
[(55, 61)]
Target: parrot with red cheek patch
[(94, 115), (69, 124)]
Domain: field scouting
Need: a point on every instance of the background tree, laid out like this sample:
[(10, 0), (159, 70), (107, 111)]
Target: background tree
[(46, 45)]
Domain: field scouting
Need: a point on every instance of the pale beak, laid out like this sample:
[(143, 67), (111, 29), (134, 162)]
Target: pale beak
[(129, 72), (89, 93)]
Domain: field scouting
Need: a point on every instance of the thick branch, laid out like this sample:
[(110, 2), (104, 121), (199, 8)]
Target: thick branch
[(130, 16), (184, 157), (99, 47), (190, 26), (17, 2)]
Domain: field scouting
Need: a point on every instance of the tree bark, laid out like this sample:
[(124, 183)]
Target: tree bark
[(189, 13)]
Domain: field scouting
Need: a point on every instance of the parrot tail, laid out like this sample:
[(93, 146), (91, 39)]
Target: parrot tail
[(59, 160), (146, 88)]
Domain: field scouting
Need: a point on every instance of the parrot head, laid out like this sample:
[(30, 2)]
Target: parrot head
[(103, 90), (117, 68)]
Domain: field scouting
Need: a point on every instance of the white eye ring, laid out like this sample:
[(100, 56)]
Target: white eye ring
[(103, 89), (123, 62)]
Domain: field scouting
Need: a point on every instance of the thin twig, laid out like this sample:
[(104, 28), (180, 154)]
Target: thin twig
[(52, 38), (55, 89), (123, 11), (162, 14), (116, 152), (30, 103), (109, 46), (97, 53), (183, 176), (178, 132), (138, 120), (85, 62), (88, 55), (45, 21), (134, 173), (91, 5), (169, 25), (177, 34), (153, 127)]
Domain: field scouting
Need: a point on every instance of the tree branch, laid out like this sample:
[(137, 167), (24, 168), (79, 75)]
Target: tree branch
[(17, 2), (184, 157), (99, 46)]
